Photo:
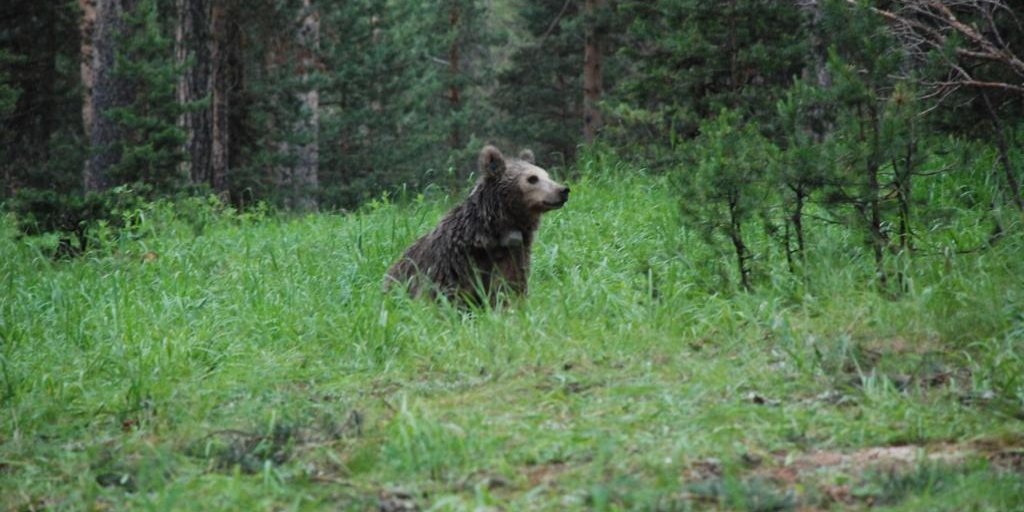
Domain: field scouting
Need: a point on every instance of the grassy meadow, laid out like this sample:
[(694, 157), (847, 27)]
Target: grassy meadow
[(215, 360)]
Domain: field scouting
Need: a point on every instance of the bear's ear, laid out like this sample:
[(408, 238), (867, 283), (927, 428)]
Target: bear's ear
[(491, 161), (527, 156)]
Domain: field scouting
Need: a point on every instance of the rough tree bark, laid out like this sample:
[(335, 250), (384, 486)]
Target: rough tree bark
[(235, 92), (87, 27), (592, 87), (302, 181), (819, 126), (874, 190), (796, 218), (454, 96), (108, 92), (220, 58), (193, 49), (736, 235), (819, 48)]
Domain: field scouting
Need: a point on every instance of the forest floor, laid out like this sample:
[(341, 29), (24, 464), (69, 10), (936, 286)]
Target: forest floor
[(215, 360)]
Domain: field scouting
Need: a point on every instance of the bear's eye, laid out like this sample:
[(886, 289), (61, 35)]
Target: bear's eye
[(532, 180)]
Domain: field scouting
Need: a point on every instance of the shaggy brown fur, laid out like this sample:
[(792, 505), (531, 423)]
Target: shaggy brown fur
[(483, 245)]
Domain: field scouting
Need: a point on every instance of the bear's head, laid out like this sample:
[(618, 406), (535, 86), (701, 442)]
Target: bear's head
[(522, 185)]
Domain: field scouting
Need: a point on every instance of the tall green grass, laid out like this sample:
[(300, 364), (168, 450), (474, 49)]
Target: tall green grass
[(239, 361)]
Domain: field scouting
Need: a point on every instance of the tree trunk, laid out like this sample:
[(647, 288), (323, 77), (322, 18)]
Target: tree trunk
[(819, 49), (87, 26), (1004, 154), (874, 199), (819, 126), (304, 176), (904, 175), (219, 105), (875, 228), (733, 49), (566, 117), (787, 244), (236, 94), (797, 219), (48, 80), (454, 96), (108, 92), (592, 88), (736, 235), (192, 49)]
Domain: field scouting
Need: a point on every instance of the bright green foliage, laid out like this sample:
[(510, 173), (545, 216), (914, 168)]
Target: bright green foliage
[(875, 127), (804, 164), (204, 357), (724, 186), (152, 147), (195, 355)]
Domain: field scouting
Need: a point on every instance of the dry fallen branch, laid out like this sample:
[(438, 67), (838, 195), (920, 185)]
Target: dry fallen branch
[(926, 25)]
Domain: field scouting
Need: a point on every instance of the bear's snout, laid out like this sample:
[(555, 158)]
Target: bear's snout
[(556, 198), (562, 198)]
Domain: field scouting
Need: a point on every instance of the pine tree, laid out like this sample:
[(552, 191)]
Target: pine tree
[(863, 63), (388, 99), (376, 101), (87, 34), (9, 91), (726, 187), (690, 58), (110, 91), (539, 91), (222, 43), (594, 29), (303, 177), (149, 146), (192, 49), (37, 97), (803, 167), (464, 41)]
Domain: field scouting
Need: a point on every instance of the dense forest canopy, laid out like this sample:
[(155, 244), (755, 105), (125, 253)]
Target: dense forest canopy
[(789, 275), (758, 110)]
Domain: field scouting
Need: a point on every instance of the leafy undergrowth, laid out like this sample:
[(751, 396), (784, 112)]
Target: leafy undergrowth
[(244, 361)]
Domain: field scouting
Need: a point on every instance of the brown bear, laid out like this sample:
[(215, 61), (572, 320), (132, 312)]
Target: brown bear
[(482, 246)]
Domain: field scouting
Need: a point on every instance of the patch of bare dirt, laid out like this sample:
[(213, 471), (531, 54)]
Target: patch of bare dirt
[(790, 467), (881, 458), (901, 345), (397, 500), (817, 469), (545, 474)]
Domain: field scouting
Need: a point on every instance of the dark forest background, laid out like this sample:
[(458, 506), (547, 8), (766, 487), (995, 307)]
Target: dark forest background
[(761, 112), (789, 276)]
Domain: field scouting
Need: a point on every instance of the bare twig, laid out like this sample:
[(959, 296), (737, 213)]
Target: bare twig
[(926, 25), (554, 23)]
